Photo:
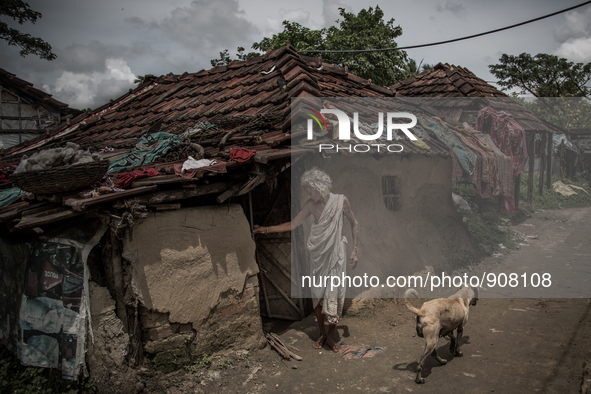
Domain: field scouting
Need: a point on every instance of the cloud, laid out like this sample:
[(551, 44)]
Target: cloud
[(330, 11), (453, 8), (204, 25), (275, 25), (577, 24), (90, 90), (574, 34), (80, 58), (576, 49)]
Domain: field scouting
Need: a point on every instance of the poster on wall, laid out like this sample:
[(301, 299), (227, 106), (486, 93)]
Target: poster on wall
[(54, 309)]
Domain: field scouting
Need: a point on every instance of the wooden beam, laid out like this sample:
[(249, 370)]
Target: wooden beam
[(82, 204), (30, 222), (166, 207), (181, 194), (161, 180)]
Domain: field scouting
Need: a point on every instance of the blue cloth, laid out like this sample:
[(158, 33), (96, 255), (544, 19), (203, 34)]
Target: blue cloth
[(8, 196), (465, 156), (146, 151)]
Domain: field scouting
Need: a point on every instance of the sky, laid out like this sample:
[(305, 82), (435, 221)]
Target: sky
[(103, 45)]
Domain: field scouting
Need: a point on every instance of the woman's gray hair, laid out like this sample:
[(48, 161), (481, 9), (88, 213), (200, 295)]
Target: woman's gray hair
[(318, 180)]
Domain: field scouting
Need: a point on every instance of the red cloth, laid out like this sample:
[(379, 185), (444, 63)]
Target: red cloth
[(219, 167), (126, 178), (241, 155)]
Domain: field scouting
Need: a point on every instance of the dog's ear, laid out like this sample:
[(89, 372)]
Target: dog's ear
[(474, 299)]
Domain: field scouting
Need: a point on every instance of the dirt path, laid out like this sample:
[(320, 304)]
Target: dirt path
[(509, 345)]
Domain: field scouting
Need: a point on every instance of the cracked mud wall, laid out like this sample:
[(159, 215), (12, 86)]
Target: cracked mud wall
[(107, 347), (194, 274)]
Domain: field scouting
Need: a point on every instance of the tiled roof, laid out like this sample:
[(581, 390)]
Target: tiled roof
[(257, 86), (462, 88), (445, 80), (26, 89)]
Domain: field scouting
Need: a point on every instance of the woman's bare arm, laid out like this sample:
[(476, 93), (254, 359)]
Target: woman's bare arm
[(287, 226)]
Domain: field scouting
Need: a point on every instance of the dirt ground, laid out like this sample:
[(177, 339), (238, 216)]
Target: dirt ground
[(509, 344)]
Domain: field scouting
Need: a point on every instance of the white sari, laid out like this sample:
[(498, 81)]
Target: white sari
[(327, 258)]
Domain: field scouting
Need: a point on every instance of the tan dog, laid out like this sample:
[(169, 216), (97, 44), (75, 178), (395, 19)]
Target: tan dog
[(438, 318)]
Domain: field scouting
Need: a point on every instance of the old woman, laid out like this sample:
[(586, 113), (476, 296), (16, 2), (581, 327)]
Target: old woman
[(327, 248)]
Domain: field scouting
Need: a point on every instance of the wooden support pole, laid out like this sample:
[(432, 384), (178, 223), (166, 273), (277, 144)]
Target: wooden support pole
[(264, 288), (530, 173), (549, 161), (117, 269), (516, 190), (542, 164)]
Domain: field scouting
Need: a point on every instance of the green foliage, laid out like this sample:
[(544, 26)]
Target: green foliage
[(226, 59), (366, 30), (564, 112), (18, 379), (554, 200), (484, 223), (226, 364), (295, 34), (543, 75), (199, 363), (20, 12)]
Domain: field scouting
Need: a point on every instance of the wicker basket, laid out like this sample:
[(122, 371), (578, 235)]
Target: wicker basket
[(60, 179)]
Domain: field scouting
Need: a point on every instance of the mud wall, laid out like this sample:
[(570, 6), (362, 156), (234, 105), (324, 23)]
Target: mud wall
[(420, 230), (194, 274)]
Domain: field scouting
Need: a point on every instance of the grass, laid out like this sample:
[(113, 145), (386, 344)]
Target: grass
[(200, 362), (554, 200)]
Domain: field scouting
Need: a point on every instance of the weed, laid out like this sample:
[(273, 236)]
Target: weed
[(18, 379), (199, 363), (554, 200), (227, 363)]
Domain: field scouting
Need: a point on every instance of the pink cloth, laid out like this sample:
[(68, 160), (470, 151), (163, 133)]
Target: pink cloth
[(241, 155), (127, 178)]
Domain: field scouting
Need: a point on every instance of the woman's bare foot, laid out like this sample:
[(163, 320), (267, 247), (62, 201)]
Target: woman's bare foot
[(333, 345), (319, 343)]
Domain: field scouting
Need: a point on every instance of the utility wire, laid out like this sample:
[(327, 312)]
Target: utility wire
[(447, 41)]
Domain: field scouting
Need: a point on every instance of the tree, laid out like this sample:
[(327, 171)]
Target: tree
[(20, 11), (366, 30), (293, 33), (543, 75), (559, 85), (412, 68), (226, 59)]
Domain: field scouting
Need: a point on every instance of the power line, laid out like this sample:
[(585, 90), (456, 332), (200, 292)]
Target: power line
[(447, 41)]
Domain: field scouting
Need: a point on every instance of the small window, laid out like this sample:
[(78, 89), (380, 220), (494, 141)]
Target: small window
[(390, 191)]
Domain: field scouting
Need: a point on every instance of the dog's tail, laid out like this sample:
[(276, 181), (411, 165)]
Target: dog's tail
[(411, 308)]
